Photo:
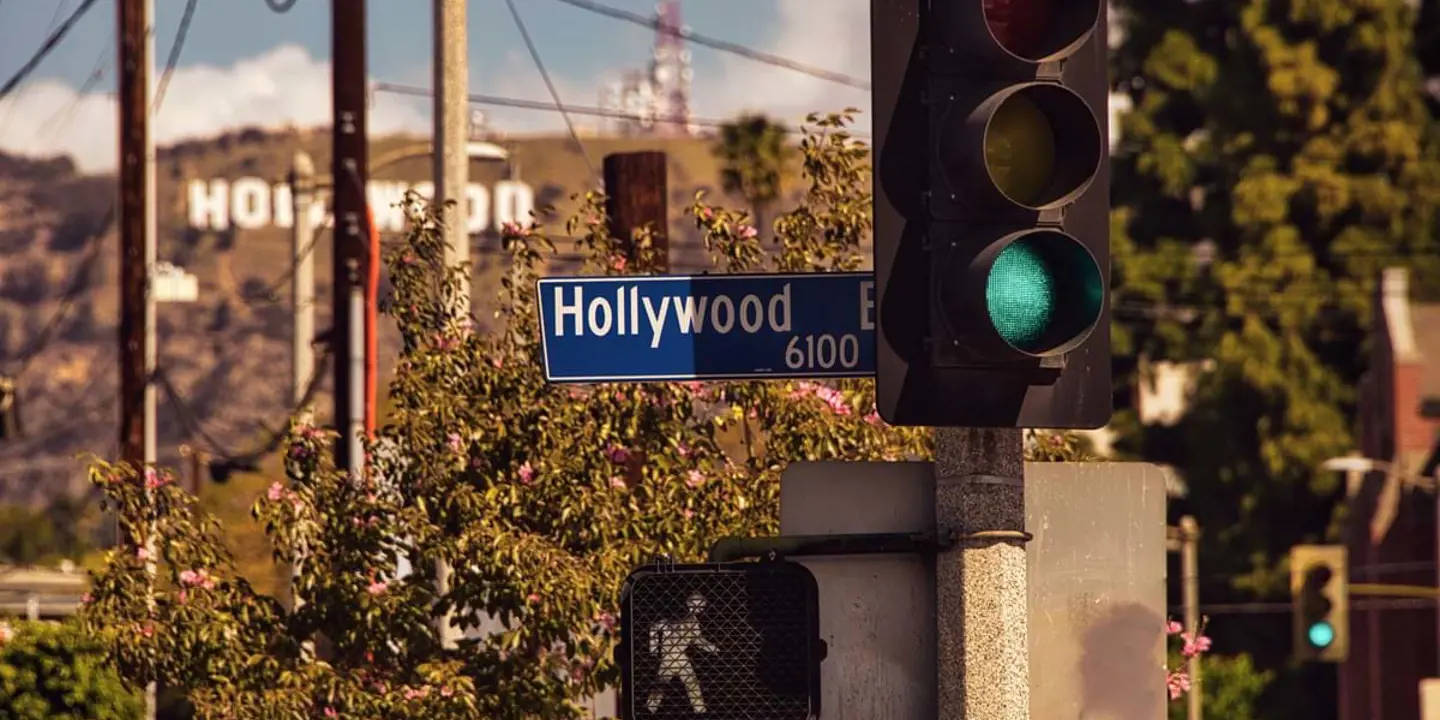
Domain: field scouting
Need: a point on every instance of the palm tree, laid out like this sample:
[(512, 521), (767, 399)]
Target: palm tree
[(753, 151)]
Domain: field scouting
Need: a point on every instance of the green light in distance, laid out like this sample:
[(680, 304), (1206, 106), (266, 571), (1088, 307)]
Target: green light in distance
[(1020, 296), (1321, 634)]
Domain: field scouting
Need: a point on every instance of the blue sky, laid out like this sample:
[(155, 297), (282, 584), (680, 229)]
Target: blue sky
[(244, 64)]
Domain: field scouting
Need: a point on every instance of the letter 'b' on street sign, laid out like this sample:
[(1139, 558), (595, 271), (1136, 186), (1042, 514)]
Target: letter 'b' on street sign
[(721, 641)]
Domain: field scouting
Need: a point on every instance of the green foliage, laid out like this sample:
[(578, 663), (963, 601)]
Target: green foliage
[(541, 497), (1293, 137), (1230, 685), (33, 537), (754, 152), (54, 671)]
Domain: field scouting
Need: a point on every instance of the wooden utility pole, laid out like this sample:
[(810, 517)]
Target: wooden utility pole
[(635, 192), (350, 174), (134, 111), (136, 177)]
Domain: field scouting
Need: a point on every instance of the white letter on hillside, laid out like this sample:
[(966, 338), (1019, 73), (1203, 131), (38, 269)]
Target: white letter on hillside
[(514, 202), (284, 206), (209, 204), (250, 203), (478, 215), (385, 198)]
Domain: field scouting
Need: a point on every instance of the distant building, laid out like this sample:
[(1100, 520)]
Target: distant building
[(1391, 525)]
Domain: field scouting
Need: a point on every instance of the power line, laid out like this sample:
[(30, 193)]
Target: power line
[(191, 420), (716, 44), (510, 102), (49, 45), (550, 85), (54, 20), (174, 58)]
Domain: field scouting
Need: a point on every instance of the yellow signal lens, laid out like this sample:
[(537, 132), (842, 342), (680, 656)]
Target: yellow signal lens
[(1020, 149)]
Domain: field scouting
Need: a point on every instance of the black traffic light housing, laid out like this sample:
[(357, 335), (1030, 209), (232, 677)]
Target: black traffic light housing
[(1319, 587), (991, 212)]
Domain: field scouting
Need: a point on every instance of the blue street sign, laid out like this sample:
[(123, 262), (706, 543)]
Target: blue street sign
[(708, 327)]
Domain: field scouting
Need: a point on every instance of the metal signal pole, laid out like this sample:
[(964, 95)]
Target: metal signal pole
[(350, 173)]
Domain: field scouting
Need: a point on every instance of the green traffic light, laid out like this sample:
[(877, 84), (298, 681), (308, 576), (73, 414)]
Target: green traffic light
[(1044, 293), (1321, 634)]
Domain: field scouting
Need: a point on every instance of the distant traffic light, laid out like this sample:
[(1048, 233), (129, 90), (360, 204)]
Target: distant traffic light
[(727, 640), (1319, 587), (991, 212)]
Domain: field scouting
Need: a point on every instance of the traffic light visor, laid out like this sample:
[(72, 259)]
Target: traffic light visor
[(1041, 146), (1039, 30), (1044, 293)]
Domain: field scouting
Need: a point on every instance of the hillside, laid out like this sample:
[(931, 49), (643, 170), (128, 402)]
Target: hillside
[(229, 353)]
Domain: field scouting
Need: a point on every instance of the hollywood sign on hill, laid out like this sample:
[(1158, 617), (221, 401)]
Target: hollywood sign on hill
[(252, 203)]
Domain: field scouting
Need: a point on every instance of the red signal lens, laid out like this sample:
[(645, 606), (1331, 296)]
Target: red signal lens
[(1020, 25)]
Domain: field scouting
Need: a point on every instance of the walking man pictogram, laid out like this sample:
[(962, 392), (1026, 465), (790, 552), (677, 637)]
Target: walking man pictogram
[(672, 640)]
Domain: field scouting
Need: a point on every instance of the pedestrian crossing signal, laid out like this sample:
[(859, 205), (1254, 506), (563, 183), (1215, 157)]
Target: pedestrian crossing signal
[(720, 641)]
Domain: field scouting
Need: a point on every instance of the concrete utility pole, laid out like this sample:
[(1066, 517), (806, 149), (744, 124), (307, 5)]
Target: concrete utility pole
[(302, 305), (982, 625), (302, 280), (452, 175), (137, 251), (350, 176), (1190, 591)]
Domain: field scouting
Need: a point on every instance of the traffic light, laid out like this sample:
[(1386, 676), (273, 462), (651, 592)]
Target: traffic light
[(1319, 590), (991, 177), (722, 640)]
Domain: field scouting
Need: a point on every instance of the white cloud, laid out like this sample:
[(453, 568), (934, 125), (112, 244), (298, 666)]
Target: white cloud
[(285, 86), (281, 87), (835, 38)]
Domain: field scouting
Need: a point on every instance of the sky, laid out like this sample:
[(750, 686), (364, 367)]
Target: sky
[(243, 64)]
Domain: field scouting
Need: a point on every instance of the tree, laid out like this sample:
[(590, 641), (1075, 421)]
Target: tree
[(754, 152), (1289, 141), (541, 497), (50, 670), (30, 536)]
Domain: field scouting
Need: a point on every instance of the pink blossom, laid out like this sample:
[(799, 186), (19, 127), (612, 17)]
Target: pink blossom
[(575, 393), (445, 691), (86, 599), (276, 491), (330, 712), (533, 598), (299, 452), (197, 578), (592, 220), (617, 482), (147, 630), (415, 694), (1178, 683), (747, 232), (498, 363), (514, 230), (617, 454), (154, 479), (706, 213), (6, 632), (683, 449), (874, 418), (695, 479), (606, 621), (527, 473), (619, 262), (455, 442), (182, 596), (1174, 627), (142, 553), (377, 587), (687, 513), (1194, 645)]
